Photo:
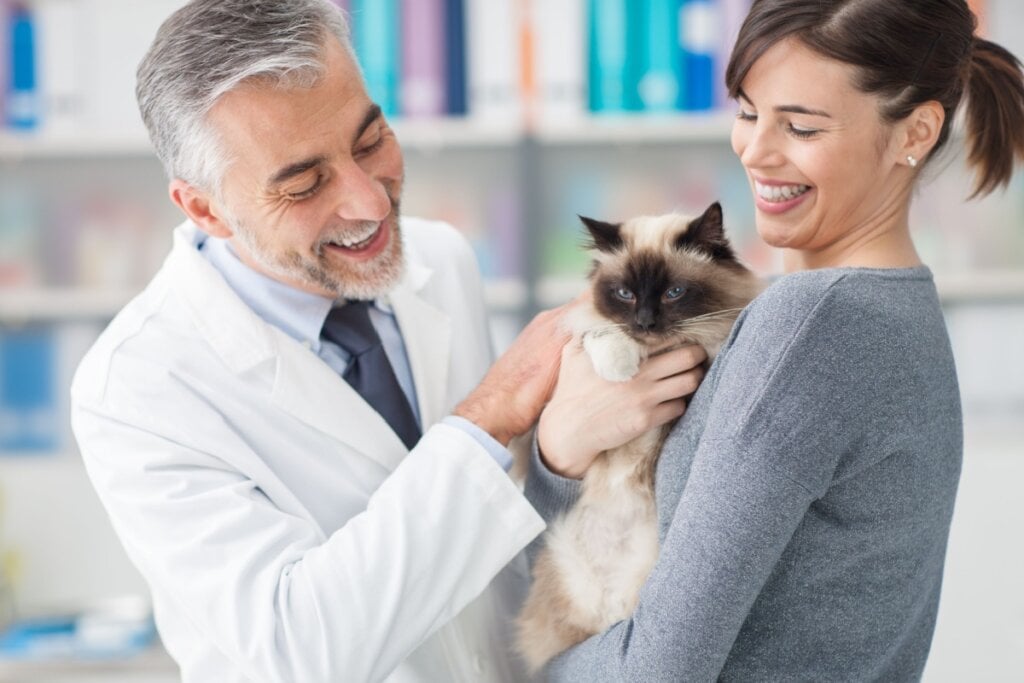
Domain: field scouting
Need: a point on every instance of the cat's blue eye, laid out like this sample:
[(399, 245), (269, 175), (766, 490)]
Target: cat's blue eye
[(624, 294), (674, 293)]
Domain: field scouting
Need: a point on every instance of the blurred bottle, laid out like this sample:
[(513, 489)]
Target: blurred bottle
[(22, 101), (6, 588)]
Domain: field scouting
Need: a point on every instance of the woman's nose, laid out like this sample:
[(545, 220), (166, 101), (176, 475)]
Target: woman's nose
[(756, 146)]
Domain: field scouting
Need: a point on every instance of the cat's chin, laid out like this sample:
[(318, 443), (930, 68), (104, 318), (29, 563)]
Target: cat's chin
[(650, 339)]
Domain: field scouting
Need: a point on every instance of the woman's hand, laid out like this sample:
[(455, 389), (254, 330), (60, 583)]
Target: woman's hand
[(588, 415)]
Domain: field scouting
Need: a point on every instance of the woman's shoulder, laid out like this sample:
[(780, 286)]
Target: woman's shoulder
[(848, 297)]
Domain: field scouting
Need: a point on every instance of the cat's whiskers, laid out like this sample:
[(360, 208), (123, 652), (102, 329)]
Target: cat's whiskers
[(714, 316)]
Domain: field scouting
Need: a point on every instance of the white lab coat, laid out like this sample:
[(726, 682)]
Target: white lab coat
[(284, 530)]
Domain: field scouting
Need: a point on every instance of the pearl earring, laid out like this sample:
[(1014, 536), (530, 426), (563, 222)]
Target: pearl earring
[(912, 161)]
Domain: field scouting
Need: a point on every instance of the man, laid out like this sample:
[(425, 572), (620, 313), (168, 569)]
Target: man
[(294, 521)]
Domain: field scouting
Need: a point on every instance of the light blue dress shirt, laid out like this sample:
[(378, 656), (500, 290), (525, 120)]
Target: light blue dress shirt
[(301, 316)]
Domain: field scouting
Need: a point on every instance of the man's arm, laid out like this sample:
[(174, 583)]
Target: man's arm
[(275, 595)]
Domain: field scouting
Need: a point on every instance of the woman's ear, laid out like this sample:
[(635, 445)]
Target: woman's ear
[(200, 208), (920, 132)]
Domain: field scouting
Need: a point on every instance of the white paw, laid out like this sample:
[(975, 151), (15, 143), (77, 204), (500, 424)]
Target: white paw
[(616, 357)]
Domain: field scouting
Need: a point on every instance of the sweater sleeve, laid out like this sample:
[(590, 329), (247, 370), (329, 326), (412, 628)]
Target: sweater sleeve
[(786, 405), (549, 493)]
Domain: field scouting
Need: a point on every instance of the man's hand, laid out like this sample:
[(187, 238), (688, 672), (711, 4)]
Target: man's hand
[(509, 399), (588, 415)]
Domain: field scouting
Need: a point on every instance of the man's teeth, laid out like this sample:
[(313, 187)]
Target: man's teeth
[(359, 239), (779, 193)]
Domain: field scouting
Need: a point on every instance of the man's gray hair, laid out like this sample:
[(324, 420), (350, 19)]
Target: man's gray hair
[(209, 47)]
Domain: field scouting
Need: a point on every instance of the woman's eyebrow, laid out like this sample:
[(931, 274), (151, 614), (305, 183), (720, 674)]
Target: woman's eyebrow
[(797, 109), (789, 108)]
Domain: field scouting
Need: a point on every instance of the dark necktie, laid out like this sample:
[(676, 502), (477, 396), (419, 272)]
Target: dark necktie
[(369, 371)]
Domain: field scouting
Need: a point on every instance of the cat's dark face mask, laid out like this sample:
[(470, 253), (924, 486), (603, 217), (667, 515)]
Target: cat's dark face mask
[(655, 290)]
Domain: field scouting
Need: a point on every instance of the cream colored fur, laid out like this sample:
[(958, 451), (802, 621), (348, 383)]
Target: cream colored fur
[(595, 559)]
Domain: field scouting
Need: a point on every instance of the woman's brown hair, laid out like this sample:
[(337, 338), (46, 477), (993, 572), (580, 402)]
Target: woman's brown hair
[(907, 52)]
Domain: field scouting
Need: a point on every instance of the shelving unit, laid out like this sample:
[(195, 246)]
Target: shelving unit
[(651, 128), (448, 138), (68, 303), (985, 287), (427, 139), (426, 135), (542, 166)]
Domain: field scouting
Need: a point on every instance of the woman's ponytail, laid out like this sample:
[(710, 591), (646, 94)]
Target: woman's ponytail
[(995, 115)]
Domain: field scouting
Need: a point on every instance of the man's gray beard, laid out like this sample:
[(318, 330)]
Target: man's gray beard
[(361, 281)]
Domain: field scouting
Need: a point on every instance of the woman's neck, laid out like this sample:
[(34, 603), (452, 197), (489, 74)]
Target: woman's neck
[(887, 248)]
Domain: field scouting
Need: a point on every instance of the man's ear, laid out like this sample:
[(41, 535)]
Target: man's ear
[(921, 131), (200, 208)]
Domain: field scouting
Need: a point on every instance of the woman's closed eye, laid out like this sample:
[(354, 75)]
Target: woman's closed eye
[(802, 132), (744, 115)]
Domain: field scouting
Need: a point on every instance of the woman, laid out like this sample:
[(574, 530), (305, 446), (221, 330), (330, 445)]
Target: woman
[(805, 497)]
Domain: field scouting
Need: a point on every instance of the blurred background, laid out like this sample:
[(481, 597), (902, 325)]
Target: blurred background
[(515, 116)]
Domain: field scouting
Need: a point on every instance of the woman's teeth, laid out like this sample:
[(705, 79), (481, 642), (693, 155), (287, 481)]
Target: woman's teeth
[(779, 193)]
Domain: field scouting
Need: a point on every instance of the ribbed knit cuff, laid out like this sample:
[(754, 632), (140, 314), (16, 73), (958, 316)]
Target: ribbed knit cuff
[(551, 494)]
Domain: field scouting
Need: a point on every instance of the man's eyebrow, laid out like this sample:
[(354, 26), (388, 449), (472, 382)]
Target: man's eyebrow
[(300, 167), (790, 108), (296, 169), (372, 114)]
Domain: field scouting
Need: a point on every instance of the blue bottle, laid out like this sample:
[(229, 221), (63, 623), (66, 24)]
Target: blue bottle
[(608, 56), (655, 78), (377, 37), (22, 101), (699, 37)]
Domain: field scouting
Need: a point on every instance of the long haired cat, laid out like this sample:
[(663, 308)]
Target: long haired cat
[(656, 280)]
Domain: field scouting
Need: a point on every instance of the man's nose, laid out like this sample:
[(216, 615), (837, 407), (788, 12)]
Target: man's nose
[(362, 197)]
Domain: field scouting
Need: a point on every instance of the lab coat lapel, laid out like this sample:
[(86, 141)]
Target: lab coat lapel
[(305, 387), (426, 332), (302, 384)]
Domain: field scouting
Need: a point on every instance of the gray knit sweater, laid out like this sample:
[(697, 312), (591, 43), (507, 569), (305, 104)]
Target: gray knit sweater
[(804, 499)]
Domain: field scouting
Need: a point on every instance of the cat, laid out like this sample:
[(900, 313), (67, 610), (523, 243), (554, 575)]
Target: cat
[(656, 280)]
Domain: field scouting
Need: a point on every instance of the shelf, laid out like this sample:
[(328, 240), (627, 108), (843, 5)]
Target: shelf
[(24, 305), (715, 127), (981, 287), (422, 135), (428, 135), (985, 286), (42, 145), (506, 295), (153, 664), (19, 306)]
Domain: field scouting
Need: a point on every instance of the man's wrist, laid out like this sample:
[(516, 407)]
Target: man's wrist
[(481, 411)]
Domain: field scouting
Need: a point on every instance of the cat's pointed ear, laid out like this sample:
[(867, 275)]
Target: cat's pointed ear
[(604, 236), (707, 233)]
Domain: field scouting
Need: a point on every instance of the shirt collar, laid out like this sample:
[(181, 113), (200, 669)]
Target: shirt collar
[(298, 313)]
